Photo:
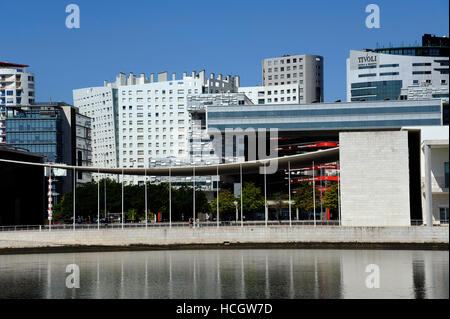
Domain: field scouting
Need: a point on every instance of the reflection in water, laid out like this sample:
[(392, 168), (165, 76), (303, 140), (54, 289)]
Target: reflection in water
[(419, 279), (259, 273)]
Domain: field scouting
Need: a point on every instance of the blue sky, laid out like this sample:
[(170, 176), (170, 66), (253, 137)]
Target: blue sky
[(229, 37)]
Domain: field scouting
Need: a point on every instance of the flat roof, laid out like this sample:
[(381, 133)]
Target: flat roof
[(13, 65), (298, 160)]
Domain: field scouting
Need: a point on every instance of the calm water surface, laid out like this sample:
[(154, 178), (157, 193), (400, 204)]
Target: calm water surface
[(272, 273)]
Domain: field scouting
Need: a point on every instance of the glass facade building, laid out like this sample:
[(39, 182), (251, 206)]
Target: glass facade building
[(376, 90), (55, 131), (327, 116), (399, 73), (36, 131)]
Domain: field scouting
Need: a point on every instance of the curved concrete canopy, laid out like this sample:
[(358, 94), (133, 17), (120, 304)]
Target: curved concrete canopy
[(298, 160)]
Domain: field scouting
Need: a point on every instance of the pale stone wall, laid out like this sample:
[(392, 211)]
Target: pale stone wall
[(374, 178), (235, 235)]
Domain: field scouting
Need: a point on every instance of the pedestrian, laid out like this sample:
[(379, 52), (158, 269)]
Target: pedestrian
[(191, 222)]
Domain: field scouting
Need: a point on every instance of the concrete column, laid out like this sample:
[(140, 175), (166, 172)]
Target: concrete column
[(339, 193), (428, 193)]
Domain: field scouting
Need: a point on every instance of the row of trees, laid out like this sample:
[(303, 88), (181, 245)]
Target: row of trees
[(182, 201), (86, 201)]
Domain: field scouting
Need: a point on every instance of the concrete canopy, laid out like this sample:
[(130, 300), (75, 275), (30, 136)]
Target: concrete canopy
[(298, 160)]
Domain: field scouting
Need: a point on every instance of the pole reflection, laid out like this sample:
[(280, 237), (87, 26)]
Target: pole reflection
[(274, 273)]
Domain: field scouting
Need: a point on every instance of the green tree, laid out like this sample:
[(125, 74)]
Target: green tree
[(63, 210), (330, 198), (279, 205), (226, 204), (252, 199), (134, 201), (303, 197)]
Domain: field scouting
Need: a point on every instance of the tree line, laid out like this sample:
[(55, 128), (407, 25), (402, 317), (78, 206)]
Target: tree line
[(182, 201)]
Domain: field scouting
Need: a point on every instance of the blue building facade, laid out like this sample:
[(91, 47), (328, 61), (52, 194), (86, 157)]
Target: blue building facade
[(328, 116), (55, 131), (37, 131)]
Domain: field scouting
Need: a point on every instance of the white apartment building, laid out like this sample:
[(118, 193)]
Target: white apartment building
[(146, 122), (304, 70), (202, 150), (154, 122), (100, 104), (16, 88), (379, 76), (274, 94)]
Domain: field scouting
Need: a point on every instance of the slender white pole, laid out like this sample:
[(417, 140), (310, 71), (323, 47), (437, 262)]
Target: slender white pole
[(242, 200), (193, 199), (50, 201), (289, 183), (74, 191), (146, 207), (321, 192), (98, 199), (122, 199), (266, 213), (170, 197), (217, 186), (314, 193), (106, 217)]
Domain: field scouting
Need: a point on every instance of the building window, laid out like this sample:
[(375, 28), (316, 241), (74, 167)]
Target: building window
[(366, 75), (367, 67), (421, 72), (443, 214), (446, 174), (389, 65)]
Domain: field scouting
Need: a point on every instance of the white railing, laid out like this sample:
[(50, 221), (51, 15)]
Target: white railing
[(104, 226)]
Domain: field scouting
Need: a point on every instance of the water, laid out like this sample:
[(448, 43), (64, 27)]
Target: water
[(260, 273)]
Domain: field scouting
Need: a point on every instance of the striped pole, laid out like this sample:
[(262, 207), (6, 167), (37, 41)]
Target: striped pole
[(50, 201)]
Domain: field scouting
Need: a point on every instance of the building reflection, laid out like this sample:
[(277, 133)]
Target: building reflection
[(254, 274)]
